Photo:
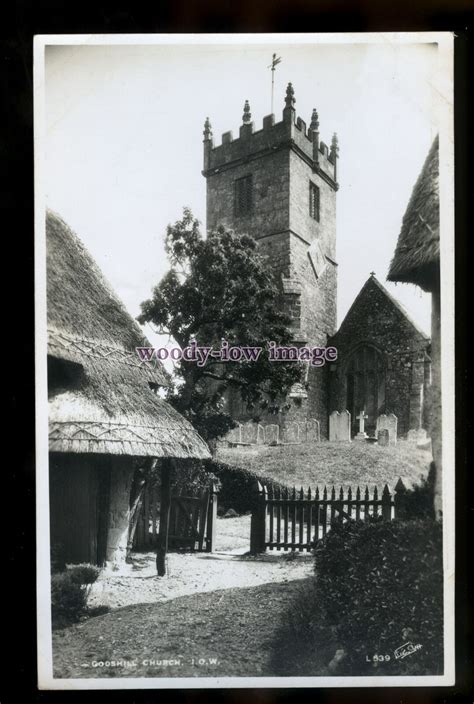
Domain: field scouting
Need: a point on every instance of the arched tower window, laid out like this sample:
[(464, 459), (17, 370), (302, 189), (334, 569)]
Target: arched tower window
[(365, 384)]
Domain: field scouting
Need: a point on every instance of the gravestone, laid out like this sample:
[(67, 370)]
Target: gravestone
[(312, 430), (249, 433), (301, 431), (234, 435), (417, 436), (362, 417), (383, 437), (272, 434), (340, 426), (291, 432), (333, 425), (260, 435), (388, 422)]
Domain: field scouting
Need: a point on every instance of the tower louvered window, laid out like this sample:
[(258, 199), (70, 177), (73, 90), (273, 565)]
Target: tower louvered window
[(314, 201), (243, 195)]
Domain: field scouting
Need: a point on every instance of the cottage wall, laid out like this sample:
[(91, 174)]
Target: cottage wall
[(90, 507), (78, 487), (436, 425)]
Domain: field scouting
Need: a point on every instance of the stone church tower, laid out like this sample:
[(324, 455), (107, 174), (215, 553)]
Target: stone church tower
[(279, 185)]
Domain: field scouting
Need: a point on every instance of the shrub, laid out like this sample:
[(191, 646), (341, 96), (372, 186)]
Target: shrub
[(193, 476), (84, 573), (378, 586), (419, 499), (238, 488), (70, 591)]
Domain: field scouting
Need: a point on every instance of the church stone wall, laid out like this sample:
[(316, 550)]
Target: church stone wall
[(271, 192), (301, 222)]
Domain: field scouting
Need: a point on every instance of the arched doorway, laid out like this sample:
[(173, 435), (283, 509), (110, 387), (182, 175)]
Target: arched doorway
[(365, 384)]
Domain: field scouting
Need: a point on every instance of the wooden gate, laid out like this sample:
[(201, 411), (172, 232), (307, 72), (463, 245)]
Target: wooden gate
[(296, 520), (192, 520)]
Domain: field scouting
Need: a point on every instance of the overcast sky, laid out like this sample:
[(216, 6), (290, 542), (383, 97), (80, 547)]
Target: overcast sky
[(124, 144)]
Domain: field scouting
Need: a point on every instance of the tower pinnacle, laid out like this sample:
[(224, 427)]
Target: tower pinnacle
[(314, 125), (207, 129), (247, 116), (290, 96)]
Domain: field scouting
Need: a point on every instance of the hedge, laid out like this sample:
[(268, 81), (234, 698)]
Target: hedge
[(378, 586), (238, 486)]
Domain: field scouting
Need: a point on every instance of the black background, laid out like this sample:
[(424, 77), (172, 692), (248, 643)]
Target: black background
[(19, 22)]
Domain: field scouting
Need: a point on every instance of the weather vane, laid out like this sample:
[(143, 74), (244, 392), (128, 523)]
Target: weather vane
[(275, 60)]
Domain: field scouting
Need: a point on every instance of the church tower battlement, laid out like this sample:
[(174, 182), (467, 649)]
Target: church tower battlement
[(279, 185)]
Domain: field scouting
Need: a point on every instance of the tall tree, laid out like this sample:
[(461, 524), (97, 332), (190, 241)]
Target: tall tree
[(220, 288)]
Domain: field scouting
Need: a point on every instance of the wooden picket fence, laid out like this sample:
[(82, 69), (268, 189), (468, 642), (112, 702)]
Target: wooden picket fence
[(298, 520), (192, 520)]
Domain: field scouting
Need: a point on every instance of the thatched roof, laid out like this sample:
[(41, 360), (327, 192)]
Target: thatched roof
[(100, 394), (416, 258)]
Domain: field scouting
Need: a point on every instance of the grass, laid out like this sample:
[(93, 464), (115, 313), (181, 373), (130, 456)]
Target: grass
[(333, 463)]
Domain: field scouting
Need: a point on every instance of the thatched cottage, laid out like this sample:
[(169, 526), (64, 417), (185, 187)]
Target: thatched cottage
[(416, 260), (105, 417)]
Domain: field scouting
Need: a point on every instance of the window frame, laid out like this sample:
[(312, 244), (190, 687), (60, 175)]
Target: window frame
[(247, 198), (314, 204)]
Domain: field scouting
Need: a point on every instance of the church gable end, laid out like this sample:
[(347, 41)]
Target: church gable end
[(383, 361)]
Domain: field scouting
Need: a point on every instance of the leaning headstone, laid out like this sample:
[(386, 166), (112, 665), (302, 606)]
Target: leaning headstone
[(272, 434), (383, 437), (291, 432), (249, 433), (312, 430), (234, 435), (417, 436), (260, 435), (388, 422), (340, 426)]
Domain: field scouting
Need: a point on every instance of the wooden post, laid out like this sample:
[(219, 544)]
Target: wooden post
[(165, 504), (309, 520), (257, 523), (211, 520), (137, 503), (400, 500), (386, 504), (263, 518), (271, 507)]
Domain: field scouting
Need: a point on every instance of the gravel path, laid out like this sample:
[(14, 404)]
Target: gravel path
[(190, 573)]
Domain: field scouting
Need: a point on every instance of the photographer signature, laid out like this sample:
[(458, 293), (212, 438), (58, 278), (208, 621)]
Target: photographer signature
[(406, 649)]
